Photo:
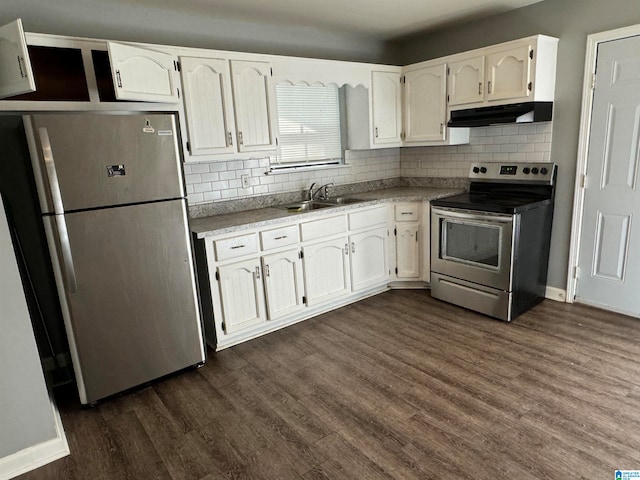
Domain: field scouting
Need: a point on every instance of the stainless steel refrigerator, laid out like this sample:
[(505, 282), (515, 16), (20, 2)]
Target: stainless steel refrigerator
[(113, 200)]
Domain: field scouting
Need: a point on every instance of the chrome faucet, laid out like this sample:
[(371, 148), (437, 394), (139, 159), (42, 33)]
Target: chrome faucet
[(323, 190), (310, 192)]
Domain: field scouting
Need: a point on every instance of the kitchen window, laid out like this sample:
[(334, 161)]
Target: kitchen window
[(309, 126)]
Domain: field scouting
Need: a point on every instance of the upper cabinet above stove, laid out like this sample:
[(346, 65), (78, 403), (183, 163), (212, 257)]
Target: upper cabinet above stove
[(523, 70)]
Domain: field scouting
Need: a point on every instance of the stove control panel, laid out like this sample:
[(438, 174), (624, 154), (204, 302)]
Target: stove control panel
[(514, 172)]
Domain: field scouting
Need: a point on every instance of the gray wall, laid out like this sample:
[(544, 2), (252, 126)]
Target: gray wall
[(571, 21), (26, 415), (186, 23)]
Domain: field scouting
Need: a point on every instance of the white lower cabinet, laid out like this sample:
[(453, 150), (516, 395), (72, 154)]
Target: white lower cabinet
[(283, 283), (242, 302), (369, 266), (408, 251), (266, 278), (326, 270)]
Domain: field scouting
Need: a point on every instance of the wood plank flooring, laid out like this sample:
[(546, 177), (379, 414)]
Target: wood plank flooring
[(398, 386)]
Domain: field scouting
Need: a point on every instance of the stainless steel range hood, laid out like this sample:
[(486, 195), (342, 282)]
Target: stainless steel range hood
[(499, 114)]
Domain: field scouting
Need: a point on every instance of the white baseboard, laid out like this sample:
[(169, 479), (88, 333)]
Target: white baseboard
[(557, 294), (38, 455)]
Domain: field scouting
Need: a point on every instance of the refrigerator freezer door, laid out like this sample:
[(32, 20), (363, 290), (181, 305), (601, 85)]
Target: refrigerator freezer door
[(103, 160), (134, 316)]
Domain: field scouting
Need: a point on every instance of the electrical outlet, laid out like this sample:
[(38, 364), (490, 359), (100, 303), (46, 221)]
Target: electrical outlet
[(245, 181)]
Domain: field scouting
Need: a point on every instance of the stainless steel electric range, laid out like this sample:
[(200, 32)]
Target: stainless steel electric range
[(490, 247)]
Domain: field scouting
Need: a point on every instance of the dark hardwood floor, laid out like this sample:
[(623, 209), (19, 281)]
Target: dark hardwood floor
[(398, 386)]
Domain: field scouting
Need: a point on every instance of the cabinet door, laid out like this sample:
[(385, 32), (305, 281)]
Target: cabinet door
[(369, 265), (508, 73), (466, 81), (283, 283), (408, 250), (16, 76), (142, 74), (242, 295), (326, 270), (252, 101), (207, 100), (425, 104), (386, 108)]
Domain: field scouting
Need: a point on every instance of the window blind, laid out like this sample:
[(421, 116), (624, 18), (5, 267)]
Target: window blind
[(309, 124)]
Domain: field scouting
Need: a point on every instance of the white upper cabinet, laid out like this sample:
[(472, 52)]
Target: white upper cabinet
[(523, 70), (466, 81), (142, 74), (508, 73), (425, 104), (252, 101), (386, 108), (16, 76), (208, 105)]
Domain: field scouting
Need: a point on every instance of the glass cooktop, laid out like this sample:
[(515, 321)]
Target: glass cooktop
[(489, 202)]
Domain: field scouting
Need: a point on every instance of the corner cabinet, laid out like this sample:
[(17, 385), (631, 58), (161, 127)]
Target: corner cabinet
[(523, 70), (425, 104), (229, 105)]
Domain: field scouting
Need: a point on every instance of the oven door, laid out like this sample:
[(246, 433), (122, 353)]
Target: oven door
[(473, 246)]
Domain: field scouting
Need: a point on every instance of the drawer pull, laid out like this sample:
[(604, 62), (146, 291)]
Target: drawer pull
[(406, 213), (237, 246), (281, 237)]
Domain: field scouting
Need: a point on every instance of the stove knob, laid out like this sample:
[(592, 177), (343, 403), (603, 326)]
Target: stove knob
[(483, 169), (476, 170), (526, 170), (544, 171), (534, 170)]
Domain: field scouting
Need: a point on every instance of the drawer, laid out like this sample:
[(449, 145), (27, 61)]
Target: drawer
[(279, 237), (323, 228), (236, 246), (407, 212), (368, 218)]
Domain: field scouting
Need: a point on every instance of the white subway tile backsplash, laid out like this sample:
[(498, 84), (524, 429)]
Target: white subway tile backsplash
[(200, 168)]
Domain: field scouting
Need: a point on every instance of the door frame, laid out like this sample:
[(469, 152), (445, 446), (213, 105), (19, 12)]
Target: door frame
[(593, 42)]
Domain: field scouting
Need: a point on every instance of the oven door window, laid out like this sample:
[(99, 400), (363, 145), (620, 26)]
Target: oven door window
[(471, 243)]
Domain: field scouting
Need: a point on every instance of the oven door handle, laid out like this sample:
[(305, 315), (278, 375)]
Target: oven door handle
[(469, 215)]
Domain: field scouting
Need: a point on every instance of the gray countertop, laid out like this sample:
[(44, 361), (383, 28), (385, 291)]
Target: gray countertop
[(233, 222)]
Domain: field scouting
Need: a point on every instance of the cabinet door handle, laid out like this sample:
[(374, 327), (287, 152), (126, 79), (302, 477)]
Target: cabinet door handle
[(376, 129), (230, 138), (441, 128), (479, 88), (353, 247), (346, 249), (240, 140), (489, 86), (20, 61), (416, 235), (119, 78), (266, 270), (258, 272)]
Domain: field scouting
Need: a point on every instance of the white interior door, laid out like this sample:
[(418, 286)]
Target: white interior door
[(609, 250)]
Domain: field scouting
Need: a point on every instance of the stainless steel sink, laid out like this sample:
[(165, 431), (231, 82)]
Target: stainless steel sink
[(306, 206), (342, 200)]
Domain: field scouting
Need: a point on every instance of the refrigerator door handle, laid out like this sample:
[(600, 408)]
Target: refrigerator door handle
[(52, 174), (58, 209), (67, 257)]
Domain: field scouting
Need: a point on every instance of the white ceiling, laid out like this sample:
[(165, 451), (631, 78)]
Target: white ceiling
[(383, 19)]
